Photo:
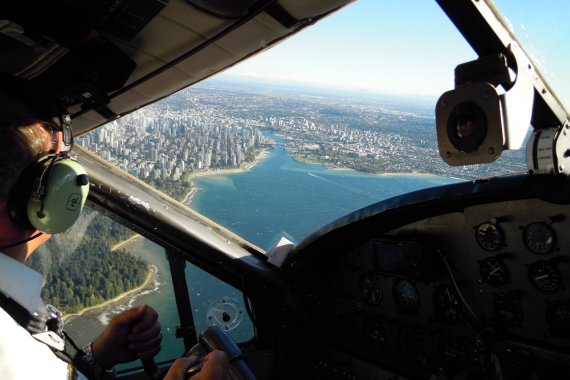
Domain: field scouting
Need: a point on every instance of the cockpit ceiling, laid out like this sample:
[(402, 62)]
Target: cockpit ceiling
[(178, 46)]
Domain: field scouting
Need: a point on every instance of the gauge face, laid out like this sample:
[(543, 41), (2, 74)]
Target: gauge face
[(494, 271), (406, 297), (447, 304), (507, 307), (411, 344), (370, 288), (489, 237), (374, 331), (544, 276), (539, 237)]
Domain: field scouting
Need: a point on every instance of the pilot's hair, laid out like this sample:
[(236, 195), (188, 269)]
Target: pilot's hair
[(21, 142)]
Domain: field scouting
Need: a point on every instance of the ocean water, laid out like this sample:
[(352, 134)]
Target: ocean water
[(284, 197), (277, 197)]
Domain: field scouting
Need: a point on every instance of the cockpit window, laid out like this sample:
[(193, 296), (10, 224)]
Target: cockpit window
[(543, 44), (296, 138)]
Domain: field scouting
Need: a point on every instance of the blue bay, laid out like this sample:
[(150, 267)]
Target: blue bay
[(277, 197)]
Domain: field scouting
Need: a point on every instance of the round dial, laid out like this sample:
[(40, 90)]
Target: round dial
[(406, 297), (539, 237), (494, 271), (370, 288), (489, 237), (447, 304), (374, 331), (544, 276)]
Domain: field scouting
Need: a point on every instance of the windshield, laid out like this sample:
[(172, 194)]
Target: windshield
[(336, 118), (546, 46)]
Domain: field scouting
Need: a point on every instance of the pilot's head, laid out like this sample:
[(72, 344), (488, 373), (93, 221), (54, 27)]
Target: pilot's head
[(24, 138), (42, 190)]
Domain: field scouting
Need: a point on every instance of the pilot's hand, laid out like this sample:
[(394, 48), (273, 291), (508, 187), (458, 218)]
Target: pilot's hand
[(133, 334), (215, 367)]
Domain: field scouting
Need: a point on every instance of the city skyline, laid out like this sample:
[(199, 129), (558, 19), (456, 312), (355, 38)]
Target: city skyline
[(365, 47)]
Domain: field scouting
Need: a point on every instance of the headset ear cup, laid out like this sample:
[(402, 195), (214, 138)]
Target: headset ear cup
[(22, 192), (65, 193)]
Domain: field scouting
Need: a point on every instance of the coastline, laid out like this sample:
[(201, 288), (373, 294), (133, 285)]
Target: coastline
[(147, 284), (125, 242), (390, 174), (149, 281), (262, 155)]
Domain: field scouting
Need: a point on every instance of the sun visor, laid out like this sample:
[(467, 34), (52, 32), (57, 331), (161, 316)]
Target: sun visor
[(230, 9), (64, 47)]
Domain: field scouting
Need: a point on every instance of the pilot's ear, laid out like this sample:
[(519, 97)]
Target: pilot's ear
[(49, 195)]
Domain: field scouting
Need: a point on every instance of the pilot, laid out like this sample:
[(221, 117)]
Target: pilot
[(133, 334)]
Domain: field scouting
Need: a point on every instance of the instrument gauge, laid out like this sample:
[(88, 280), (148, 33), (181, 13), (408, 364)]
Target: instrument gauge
[(406, 297), (370, 288), (447, 305), (489, 237), (539, 237), (544, 276), (494, 271)]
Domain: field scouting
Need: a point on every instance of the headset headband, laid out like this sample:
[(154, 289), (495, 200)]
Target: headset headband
[(62, 140)]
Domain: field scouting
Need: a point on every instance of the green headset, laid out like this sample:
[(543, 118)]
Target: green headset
[(50, 193)]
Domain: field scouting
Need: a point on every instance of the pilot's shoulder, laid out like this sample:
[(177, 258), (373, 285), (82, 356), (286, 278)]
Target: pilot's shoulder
[(23, 357)]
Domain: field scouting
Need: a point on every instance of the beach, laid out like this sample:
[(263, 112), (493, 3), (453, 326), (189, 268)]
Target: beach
[(120, 299), (262, 155), (150, 280), (125, 242)]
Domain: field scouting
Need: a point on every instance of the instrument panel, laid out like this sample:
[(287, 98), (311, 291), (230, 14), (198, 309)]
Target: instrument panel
[(458, 294)]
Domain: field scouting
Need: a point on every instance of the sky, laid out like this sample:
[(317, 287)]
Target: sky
[(403, 47)]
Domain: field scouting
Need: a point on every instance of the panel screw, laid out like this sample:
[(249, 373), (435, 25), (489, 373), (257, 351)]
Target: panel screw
[(561, 168), (491, 150), (448, 154)]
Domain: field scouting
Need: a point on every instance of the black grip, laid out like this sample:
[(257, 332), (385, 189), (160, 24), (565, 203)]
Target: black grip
[(214, 338), (151, 369)]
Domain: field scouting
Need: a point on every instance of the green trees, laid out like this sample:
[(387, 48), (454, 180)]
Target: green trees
[(80, 268)]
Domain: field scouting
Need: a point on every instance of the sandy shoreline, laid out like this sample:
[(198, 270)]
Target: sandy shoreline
[(262, 155), (149, 281), (125, 242), (121, 298), (395, 174)]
